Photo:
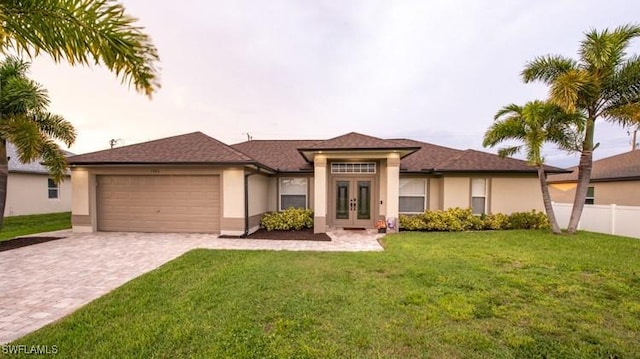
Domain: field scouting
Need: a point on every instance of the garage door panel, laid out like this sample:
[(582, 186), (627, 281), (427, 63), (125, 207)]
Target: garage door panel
[(159, 203)]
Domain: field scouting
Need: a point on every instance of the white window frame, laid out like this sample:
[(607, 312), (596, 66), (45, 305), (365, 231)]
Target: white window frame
[(353, 167), (54, 187), (280, 192), (485, 196), (424, 195)]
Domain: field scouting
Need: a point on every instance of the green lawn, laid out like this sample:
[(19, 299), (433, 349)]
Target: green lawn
[(22, 225), (507, 294)]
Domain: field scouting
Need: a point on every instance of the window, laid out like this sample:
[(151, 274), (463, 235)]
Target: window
[(52, 188), (353, 167), (591, 196), (479, 195), (413, 195), (293, 193)]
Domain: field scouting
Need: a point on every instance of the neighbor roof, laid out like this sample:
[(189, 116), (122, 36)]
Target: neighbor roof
[(625, 166), (193, 147), (14, 164)]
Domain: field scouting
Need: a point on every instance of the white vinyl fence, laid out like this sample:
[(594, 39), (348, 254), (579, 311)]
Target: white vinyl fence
[(610, 219)]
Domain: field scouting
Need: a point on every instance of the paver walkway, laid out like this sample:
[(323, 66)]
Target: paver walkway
[(44, 282)]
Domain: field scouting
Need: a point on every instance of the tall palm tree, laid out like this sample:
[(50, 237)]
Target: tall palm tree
[(535, 124), (604, 83), (27, 124)]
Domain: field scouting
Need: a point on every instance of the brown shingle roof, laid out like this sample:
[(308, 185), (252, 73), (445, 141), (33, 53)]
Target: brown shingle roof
[(193, 147), (472, 160), (354, 140), (281, 155), (622, 166), (427, 157)]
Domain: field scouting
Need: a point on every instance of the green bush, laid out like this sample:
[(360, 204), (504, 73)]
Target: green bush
[(452, 220), (289, 219), (496, 221), (458, 219), (529, 220)]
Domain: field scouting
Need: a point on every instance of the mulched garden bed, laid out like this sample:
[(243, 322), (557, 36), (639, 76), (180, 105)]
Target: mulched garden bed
[(24, 241), (301, 235)]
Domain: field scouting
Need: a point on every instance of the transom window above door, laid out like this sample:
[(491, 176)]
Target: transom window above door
[(353, 167)]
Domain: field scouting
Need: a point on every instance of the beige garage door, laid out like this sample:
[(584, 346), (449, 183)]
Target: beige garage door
[(158, 203)]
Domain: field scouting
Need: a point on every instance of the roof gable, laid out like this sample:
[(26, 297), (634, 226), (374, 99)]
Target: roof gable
[(193, 147), (355, 141)]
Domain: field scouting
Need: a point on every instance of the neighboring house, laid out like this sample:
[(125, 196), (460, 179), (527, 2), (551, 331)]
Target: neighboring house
[(194, 183), (30, 190), (614, 180)]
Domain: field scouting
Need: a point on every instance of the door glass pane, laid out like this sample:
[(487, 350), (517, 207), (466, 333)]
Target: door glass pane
[(342, 200), (364, 200)]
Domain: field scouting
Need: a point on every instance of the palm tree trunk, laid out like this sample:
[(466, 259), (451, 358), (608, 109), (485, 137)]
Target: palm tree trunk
[(4, 175), (546, 199), (584, 176)]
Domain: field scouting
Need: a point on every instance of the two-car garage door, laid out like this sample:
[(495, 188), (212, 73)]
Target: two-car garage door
[(161, 203)]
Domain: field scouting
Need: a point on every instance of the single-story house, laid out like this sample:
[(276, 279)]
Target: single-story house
[(30, 190), (195, 183), (614, 180)]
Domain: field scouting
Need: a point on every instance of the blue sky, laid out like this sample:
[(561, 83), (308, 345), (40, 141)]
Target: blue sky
[(435, 71)]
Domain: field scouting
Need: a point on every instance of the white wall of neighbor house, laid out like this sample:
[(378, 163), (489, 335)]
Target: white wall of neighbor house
[(28, 193), (515, 194), (625, 193)]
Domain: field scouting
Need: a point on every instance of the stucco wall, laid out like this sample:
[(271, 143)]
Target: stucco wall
[(28, 194), (435, 194), (258, 194), (456, 192), (515, 194), (624, 193)]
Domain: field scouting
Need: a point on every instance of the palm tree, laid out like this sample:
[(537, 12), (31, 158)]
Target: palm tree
[(26, 123), (534, 124), (604, 83)]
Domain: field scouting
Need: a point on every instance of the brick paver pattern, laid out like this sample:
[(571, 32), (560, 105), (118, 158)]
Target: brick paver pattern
[(44, 282)]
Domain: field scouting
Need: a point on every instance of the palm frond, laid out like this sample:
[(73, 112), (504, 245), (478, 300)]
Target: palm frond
[(547, 68), (53, 158), (82, 32), (55, 126), (24, 135), (509, 151), (20, 95), (566, 89), (604, 50)]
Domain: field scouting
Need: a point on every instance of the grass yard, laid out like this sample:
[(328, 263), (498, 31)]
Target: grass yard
[(507, 294), (22, 225)]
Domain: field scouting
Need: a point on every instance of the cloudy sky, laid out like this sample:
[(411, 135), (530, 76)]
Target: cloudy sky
[(435, 71)]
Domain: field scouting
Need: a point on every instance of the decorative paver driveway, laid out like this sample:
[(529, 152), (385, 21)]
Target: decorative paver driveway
[(44, 282)]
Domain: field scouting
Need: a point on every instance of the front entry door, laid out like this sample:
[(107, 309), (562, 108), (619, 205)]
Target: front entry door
[(353, 198)]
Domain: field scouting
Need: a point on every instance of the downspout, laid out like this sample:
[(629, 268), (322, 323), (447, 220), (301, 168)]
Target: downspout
[(246, 202)]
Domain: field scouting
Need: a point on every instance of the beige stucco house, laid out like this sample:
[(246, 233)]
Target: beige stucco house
[(614, 180), (30, 190), (194, 183)]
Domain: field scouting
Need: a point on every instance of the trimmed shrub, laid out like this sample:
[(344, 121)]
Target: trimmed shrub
[(496, 221), (529, 220), (458, 219), (289, 219)]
